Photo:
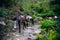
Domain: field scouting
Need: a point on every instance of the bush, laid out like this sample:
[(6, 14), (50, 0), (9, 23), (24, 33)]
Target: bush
[(39, 36), (48, 24), (58, 28), (50, 35), (3, 12), (49, 30), (2, 31)]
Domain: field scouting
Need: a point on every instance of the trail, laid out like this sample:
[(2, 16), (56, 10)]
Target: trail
[(27, 33)]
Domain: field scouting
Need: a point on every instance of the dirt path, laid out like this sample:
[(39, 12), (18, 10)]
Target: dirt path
[(25, 34)]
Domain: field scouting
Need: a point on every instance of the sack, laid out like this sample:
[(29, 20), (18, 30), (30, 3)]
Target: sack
[(22, 17)]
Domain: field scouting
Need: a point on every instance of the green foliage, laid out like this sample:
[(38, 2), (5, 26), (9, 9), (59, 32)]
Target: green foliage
[(49, 12), (57, 9), (39, 36), (36, 7), (55, 6), (50, 35), (58, 23), (48, 30), (3, 12), (8, 26), (33, 16), (5, 3), (51, 29), (3, 31), (48, 24), (58, 28), (55, 2)]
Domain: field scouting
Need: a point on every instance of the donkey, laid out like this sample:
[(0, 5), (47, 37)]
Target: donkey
[(29, 19)]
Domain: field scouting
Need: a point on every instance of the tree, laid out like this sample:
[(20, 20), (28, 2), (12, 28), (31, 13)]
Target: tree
[(3, 12), (55, 5)]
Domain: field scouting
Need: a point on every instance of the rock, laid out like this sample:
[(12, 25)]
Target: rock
[(37, 31), (32, 37)]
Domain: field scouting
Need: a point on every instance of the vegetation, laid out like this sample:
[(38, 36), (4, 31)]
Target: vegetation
[(48, 24), (48, 30), (36, 8), (3, 12)]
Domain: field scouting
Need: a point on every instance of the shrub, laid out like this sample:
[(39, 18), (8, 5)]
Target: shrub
[(48, 24), (39, 36), (3, 12), (58, 28), (2, 31), (51, 35)]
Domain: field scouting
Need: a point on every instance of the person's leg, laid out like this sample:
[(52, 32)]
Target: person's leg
[(33, 21), (24, 26), (27, 23), (14, 25), (19, 26)]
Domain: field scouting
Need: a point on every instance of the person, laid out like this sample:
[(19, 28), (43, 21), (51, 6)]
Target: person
[(14, 23), (21, 21), (18, 21)]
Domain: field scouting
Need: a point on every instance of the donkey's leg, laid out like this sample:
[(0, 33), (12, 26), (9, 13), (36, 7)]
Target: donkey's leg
[(24, 25), (32, 21), (27, 23)]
